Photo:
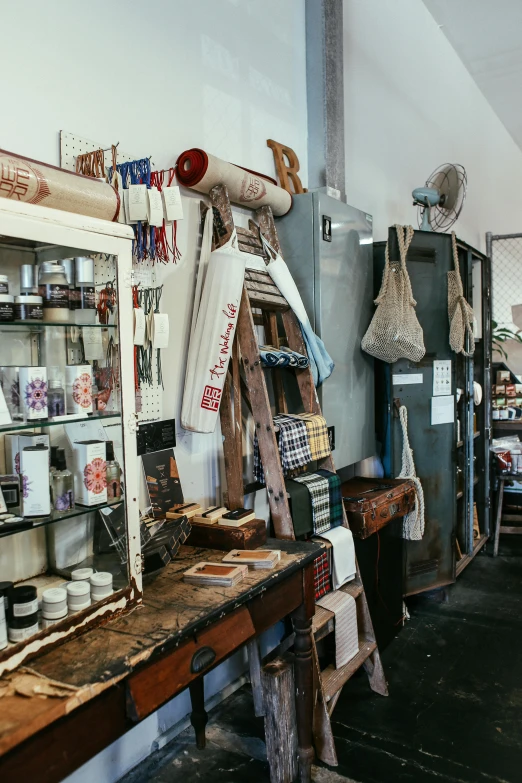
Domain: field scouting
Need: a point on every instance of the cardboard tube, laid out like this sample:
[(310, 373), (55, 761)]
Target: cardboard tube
[(200, 171), (34, 182)]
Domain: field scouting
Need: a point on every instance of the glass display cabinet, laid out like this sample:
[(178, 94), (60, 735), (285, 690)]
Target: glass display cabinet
[(69, 512)]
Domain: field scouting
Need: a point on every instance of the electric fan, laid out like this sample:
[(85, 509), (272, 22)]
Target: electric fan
[(440, 200)]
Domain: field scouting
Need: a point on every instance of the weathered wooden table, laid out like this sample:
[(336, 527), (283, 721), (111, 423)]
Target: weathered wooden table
[(119, 673)]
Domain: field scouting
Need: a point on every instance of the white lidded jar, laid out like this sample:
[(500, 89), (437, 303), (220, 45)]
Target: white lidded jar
[(54, 290), (54, 603), (78, 596), (101, 585), (85, 310)]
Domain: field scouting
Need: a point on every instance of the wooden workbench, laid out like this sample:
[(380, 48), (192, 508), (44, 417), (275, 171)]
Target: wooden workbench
[(117, 674)]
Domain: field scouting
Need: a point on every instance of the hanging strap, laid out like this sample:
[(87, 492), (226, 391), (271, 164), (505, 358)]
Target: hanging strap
[(462, 303), (404, 237)]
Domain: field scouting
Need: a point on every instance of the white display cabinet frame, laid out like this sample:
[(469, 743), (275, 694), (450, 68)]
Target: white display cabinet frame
[(49, 230)]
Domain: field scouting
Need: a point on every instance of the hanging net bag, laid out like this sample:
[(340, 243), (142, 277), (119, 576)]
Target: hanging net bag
[(460, 312), (412, 523), (395, 332)]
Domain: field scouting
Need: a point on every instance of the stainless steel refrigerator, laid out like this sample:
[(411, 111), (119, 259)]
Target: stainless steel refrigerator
[(328, 247)]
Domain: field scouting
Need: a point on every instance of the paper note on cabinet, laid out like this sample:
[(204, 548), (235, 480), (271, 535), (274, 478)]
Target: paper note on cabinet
[(442, 410)]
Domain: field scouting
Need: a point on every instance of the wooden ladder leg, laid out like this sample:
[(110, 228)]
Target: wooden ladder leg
[(372, 665), (263, 422), (229, 424)]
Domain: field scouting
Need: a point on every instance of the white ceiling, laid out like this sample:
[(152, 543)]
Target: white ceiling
[(487, 36)]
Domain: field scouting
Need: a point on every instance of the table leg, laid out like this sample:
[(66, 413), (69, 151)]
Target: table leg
[(303, 691), (498, 521), (198, 716)]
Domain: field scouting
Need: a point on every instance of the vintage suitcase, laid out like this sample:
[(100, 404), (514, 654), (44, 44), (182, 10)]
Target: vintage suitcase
[(372, 503), (249, 536)]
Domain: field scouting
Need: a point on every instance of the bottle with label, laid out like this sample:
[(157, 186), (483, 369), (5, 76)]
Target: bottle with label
[(68, 264), (85, 292), (62, 484), (113, 473), (54, 290), (56, 398)]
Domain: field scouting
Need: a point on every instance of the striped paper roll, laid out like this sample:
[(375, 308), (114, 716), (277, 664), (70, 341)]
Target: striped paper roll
[(34, 182), (198, 170)]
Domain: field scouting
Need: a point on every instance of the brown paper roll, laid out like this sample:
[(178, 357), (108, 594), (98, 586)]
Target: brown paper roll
[(200, 171), (34, 182)]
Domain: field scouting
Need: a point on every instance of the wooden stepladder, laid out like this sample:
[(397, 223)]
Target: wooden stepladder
[(263, 305)]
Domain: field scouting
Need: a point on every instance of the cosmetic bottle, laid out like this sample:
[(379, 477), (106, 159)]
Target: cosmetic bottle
[(56, 398), (54, 289), (68, 264), (62, 485), (113, 473), (85, 294)]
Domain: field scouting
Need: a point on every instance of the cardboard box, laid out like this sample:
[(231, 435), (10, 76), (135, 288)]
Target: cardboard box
[(78, 388), (33, 392), (90, 479), (13, 444), (34, 469)]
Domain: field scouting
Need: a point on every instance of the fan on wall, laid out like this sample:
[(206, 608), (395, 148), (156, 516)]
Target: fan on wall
[(440, 200)]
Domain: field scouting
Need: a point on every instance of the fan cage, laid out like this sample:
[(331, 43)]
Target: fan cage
[(442, 219)]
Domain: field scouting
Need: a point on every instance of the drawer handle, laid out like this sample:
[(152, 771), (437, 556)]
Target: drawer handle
[(202, 659)]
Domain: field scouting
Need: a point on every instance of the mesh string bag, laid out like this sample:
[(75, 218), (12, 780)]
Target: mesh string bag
[(460, 312), (412, 523), (394, 332)]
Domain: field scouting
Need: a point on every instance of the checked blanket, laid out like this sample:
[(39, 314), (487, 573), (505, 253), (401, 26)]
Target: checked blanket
[(293, 446), (318, 488)]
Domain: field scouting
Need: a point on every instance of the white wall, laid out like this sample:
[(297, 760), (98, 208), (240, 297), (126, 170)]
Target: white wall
[(225, 75), (411, 105)]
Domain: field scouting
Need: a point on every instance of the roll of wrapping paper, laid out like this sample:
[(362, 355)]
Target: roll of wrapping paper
[(200, 171), (34, 182)]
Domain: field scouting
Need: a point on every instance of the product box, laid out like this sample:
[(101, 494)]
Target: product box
[(90, 472), (13, 445), (34, 470), (78, 388), (510, 390), (503, 376), (33, 392)]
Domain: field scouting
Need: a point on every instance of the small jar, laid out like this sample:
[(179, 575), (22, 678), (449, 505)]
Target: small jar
[(28, 281), (54, 603), (28, 307), (22, 601), (101, 585), (6, 306), (82, 574), (54, 290), (4, 284), (21, 628), (68, 264), (78, 596)]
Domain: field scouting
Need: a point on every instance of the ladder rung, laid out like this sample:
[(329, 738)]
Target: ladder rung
[(333, 679), (353, 588), (323, 623)]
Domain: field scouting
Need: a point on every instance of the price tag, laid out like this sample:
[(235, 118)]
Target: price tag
[(126, 206), (160, 331), (139, 326), (155, 217), (92, 343), (172, 202), (137, 202)]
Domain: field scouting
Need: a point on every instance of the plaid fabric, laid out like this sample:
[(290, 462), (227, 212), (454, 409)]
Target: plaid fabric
[(318, 488), (321, 576), (336, 498), (293, 446), (317, 431)]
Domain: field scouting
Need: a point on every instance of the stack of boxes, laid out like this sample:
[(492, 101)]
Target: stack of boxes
[(506, 397)]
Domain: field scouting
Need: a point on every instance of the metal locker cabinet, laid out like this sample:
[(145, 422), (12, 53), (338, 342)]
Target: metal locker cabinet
[(328, 247), (429, 563)]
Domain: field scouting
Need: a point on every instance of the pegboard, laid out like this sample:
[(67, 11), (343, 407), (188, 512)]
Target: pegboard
[(72, 145)]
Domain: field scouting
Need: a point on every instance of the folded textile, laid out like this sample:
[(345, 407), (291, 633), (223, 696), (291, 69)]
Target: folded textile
[(293, 446), (321, 575), (336, 496), (271, 357), (300, 360), (317, 430), (320, 497), (343, 555), (300, 508), (346, 636)]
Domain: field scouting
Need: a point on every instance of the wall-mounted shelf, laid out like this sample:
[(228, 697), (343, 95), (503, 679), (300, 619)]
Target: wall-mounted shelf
[(32, 523), (37, 423)]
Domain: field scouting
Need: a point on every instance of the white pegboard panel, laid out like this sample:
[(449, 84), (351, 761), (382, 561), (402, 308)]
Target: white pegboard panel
[(72, 145)]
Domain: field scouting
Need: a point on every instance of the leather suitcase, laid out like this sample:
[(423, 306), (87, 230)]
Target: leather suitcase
[(372, 503)]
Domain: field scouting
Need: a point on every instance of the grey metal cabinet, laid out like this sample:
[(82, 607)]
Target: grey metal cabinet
[(328, 247), (453, 481)]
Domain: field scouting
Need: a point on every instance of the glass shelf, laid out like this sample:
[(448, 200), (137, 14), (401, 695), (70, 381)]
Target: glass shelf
[(37, 325), (33, 523), (36, 423)]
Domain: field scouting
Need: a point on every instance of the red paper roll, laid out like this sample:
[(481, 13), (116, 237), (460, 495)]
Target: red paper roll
[(198, 170)]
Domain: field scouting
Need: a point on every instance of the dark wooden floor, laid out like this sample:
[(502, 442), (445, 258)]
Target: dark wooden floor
[(454, 713)]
